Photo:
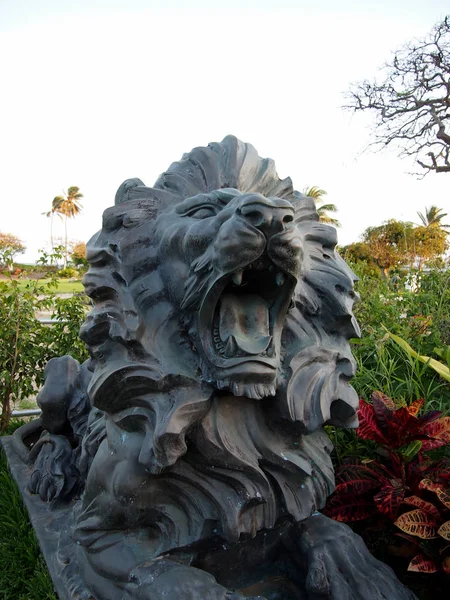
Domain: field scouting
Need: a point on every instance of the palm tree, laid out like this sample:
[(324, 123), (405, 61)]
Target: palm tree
[(433, 217), (67, 206), (322, 209), (51, 213)]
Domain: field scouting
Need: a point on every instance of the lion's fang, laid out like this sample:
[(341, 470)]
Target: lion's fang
[(231, 348), (280, 278), (237, 277)]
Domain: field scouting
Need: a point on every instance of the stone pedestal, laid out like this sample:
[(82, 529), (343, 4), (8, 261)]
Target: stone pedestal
[(51, 522)]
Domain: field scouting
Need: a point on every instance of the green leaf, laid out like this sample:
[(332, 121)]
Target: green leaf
[(443, 353), (409, 451), (439, 367)]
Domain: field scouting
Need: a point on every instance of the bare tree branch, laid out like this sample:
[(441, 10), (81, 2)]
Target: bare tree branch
[(411, 105)]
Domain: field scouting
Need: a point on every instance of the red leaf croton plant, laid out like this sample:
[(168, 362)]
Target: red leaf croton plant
[(404, 485)]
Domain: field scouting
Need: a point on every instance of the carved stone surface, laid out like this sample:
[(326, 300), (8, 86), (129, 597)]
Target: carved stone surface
[(194, 437)]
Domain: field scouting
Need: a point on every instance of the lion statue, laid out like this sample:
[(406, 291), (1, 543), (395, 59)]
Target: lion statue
[(194, 436)]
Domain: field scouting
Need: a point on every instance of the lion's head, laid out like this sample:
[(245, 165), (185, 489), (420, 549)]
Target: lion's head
[(230, 266), (222, 275)]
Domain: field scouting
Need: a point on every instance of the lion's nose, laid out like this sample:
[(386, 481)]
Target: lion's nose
[(268, 217)]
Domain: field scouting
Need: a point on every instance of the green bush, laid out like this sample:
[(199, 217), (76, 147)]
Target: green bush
[(67, 273), (422, 318), (38, 270), (26, 345), (416, 307)]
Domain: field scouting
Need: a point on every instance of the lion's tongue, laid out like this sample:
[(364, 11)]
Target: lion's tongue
[(245, 318)]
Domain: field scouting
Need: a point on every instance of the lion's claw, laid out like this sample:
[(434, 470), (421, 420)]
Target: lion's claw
[(54, 475), (163, 578), (316, 580), (338, 565)]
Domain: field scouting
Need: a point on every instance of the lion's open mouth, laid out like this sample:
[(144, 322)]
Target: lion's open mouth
[(242, 316), (242, 325)]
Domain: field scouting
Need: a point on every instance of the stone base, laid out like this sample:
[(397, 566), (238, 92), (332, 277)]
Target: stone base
[(51, 523), (341, 564)]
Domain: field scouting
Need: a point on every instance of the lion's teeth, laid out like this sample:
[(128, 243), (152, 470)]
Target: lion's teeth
[(231, 348), (280, 278), (237, 277)]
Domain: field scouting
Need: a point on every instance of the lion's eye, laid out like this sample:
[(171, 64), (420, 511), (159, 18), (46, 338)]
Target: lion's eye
[(202, 212)]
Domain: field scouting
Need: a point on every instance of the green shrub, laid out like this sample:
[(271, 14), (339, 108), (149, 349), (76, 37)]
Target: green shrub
[(38, 270), (26, 345), (421, 317), (67, 273)]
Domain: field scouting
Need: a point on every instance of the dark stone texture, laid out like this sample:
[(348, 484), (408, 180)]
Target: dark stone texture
[(194, 437)]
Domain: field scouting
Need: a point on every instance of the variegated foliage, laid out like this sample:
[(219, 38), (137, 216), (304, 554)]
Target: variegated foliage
[(404, 485)]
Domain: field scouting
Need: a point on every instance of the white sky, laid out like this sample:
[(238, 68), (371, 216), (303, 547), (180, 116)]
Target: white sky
[(94, 92)]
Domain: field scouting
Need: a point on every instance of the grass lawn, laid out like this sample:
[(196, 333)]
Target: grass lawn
[(23, 574), (65, 286)]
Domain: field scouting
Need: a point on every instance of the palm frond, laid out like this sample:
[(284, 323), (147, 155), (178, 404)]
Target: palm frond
[(325, 207), (314, 192), (433, 217), (422, 218), (329, 220)]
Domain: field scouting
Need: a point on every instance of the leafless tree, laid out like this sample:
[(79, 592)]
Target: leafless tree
[(411, 104)]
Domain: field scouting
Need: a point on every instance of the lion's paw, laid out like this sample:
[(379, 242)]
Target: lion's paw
[(54, 474), (162, 579), (339, 566)]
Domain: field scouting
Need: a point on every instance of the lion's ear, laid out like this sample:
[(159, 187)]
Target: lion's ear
[(123, 193), (305, 208), (146, 198)]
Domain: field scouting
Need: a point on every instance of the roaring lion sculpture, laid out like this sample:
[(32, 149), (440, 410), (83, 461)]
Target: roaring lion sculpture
[(219, 350)]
